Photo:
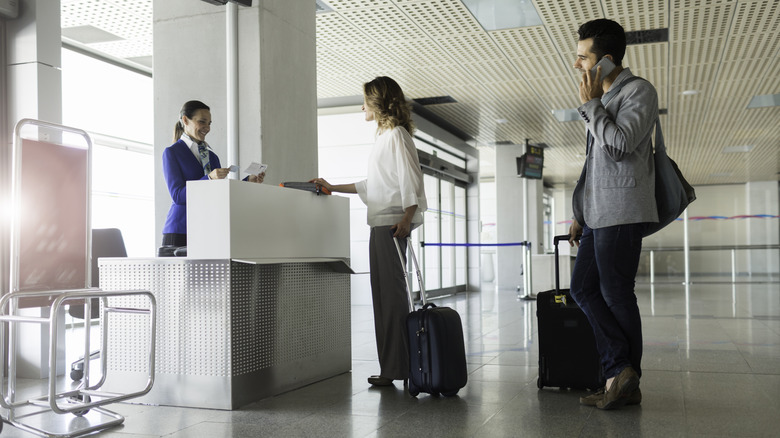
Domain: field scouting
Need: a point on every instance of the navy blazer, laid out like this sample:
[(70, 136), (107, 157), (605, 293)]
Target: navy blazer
[(180, 166)]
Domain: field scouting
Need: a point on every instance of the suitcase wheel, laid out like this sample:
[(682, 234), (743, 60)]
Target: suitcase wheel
[(539, 383), (450, 394), (81, 398)]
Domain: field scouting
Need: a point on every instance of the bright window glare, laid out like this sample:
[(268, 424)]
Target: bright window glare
[(116, 107), (103, 98)]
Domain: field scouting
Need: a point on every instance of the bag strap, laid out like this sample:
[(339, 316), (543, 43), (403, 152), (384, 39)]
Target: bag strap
[(614, 91), (660, 146)]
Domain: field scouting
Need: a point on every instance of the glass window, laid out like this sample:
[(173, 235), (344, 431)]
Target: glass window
[(115, 106)]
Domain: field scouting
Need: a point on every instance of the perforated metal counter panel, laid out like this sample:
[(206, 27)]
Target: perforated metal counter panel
[(230, 333)]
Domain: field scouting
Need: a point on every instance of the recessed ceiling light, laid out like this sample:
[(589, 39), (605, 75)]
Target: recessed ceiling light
[(737, 149), (764, 101), (690, 92), (503, 14), (502, 121), (322, 6), (566, 115)]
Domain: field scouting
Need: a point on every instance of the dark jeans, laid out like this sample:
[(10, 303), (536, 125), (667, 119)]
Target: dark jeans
[(602, 284)]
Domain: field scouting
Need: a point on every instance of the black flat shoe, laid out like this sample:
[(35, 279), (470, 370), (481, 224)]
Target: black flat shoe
[(380, 381)]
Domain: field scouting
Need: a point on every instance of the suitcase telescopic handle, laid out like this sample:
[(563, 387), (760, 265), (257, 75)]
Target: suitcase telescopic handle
[(402, 259), (557, 239)]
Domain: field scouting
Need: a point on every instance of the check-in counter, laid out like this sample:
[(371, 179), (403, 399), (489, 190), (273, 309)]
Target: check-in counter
[(260, 306)]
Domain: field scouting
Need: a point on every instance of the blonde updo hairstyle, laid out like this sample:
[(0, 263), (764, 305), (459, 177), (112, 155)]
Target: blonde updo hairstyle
[(385, 98)]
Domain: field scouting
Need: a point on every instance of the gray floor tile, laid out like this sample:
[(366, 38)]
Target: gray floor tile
[(711, 368)]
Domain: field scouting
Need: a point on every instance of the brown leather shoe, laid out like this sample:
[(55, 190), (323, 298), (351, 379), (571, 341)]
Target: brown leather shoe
[(591, 400), (622, 387), (380, 381)]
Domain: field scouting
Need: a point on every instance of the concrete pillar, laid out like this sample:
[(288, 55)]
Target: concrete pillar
[(277, 122), (509, 216), (34, 90), (34, 63)]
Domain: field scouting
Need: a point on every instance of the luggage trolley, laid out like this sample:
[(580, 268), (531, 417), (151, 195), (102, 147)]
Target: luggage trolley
[(50, 267)]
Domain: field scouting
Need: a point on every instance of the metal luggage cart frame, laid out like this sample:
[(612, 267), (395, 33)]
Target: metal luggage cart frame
[(81, 400), (50, 255)]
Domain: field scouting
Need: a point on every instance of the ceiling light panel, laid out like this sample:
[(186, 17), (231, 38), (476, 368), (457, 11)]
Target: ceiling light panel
[(504, 14), (764, 100)]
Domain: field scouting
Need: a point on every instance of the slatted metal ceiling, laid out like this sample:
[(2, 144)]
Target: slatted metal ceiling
[(727, 50)]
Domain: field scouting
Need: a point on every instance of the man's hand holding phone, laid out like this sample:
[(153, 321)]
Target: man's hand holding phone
[(606, 65), (591, 84)]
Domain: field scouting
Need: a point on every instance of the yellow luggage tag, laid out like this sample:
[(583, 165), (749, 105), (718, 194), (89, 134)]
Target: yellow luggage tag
[(560, 299)]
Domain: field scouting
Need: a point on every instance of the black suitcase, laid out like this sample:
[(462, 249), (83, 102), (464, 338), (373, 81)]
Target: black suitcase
[(567, 347), (437, 355)]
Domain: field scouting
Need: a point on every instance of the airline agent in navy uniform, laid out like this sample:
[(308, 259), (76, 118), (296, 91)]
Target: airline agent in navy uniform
[(189, 159)]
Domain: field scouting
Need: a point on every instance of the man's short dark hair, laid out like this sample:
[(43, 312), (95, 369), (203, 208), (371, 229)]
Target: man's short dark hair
[(609, 38)]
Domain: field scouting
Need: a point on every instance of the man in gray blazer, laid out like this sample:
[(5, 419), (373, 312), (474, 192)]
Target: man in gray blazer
[(613, 202)]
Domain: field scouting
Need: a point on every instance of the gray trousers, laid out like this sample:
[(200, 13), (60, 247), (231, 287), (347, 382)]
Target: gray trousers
[(391, 305)]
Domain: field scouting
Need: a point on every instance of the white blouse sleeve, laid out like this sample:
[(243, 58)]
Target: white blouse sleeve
[(362, 190), (409, 173)]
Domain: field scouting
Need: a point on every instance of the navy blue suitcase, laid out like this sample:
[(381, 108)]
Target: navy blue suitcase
[(567, 347), (437, 354)]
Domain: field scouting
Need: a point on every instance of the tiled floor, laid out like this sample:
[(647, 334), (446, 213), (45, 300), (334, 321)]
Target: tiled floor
[(711, 368)]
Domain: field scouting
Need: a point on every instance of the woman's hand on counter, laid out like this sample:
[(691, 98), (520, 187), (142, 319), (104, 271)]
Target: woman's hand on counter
[(322, 183)]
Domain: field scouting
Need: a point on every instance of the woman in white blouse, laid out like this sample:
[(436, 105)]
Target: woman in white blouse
[(394, 194)]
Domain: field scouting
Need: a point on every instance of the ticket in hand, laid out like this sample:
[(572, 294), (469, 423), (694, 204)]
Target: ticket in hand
[(256, 168), (233, 168)]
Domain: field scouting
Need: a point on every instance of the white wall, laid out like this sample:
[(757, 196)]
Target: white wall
[(712, 222)]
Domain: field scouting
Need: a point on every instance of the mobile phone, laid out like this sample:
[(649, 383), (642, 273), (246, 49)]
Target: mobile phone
[(606, 67)]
